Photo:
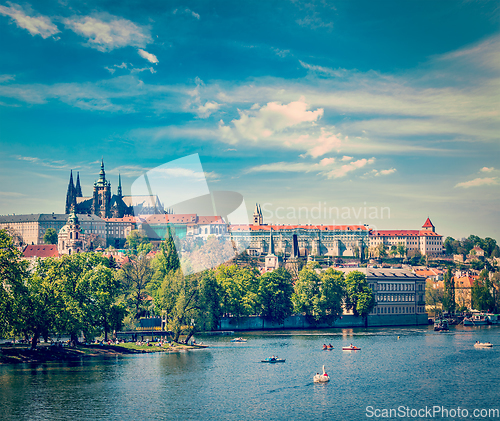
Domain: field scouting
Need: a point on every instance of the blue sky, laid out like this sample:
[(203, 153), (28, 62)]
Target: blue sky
[(347, 105)]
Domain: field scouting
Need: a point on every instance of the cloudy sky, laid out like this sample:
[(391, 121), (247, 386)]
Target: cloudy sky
[(354, 105)]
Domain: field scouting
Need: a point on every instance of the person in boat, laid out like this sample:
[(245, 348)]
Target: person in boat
[(330, 346)]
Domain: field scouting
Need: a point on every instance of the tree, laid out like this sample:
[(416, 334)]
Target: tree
[(359, 296), (381, 250), (449, 303), (481, 293), (13, 273), (401, 250), (274, 295), (135, 239), (50, 236), (238, 289), (306, 295), (103, 288), (434, 297), (332, 295), (135, 276)]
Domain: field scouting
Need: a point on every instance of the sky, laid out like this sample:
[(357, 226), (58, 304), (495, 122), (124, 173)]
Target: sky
[(382, 113)]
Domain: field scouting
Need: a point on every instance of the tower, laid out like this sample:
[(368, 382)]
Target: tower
[(70, 195), (428, 226), (78, 189), (71, 237), (119, 192), (257, 215), (101, 198)]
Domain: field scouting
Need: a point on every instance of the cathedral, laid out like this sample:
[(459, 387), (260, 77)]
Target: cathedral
[(105, 204)]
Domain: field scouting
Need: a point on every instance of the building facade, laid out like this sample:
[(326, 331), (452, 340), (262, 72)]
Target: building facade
[(71, 238), (426, 240)]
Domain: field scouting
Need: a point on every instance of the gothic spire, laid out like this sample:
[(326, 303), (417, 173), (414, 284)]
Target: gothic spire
[(119, 185), (102, 174), (78, 189), (271, 242), (70, 194)]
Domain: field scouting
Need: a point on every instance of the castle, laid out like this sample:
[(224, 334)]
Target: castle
[(104, 204)]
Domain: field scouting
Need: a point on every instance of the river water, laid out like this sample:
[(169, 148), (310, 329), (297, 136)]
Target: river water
[(420, 369)]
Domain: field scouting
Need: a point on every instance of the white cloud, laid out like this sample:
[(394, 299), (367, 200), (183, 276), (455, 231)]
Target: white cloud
[(324, 70), (6, 78), (11, 194), (207, 109), (149, 57), (259, 124), (187, 12), (486, 169), (35, 25), (323, 144), (107, 32), (488, 181), (347, 168), (387, 172), (346, 158)]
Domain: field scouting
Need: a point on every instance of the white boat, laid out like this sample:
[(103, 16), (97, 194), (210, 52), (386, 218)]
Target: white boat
[(321, 378), (476, 320), (238, 340), (493, 319), (483, 345)]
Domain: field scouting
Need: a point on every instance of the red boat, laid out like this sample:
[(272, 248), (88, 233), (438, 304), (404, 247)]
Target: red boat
[(350, 348)]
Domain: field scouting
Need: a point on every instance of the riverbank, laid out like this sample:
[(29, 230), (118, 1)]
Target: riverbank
[(14, 354)]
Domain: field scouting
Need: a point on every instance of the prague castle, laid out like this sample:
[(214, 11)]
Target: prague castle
[(105, 204)]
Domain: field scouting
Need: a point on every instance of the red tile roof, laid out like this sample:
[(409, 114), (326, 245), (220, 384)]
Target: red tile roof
[(428, 224), (49, 250), (403, 233)]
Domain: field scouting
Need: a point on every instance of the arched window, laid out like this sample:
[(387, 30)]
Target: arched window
[(70, 235), (69, 251), (76, 235)]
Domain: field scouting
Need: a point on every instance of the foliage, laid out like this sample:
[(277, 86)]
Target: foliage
[(449, 292), (274, 295), (481, 293), (50, 236), (359, 296), (238, 289), (434, 297), (135, 239), (135, 276)]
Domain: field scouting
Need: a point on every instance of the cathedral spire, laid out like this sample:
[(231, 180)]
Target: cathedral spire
[(70, 194), (102, 174), (78, 188), (271, 242), (120, 185)]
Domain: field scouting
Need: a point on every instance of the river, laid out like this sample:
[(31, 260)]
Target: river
[(403, 369)]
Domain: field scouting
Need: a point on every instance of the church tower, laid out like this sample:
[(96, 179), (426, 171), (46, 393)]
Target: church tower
[(71, 238), (78, 188), (70, 195), (101, 198), (257, 215)]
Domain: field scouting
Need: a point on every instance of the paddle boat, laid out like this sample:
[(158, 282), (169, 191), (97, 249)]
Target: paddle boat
[(329, 346), (273, 359), (238, 340), (350, 348), (476, 320), (441, 325), (483, 345), (321, 378)]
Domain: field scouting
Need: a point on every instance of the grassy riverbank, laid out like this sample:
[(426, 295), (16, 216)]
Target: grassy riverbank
[(12, 354)]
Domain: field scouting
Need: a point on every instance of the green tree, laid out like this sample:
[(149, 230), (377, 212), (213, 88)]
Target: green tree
[(135, 276), (306, 295), (135, 239), (434, 297), (481, 293), (382, 250), (50, 236), (238, 289), (449, 303), (103, 288), (359, 296), (332, 294), (401, 249), (274, 295)]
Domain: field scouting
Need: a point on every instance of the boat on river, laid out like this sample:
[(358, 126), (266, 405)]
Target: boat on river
[(441, 325), (483, 345), (329, 346), (321, 378), (273, 360), (350, 348), (476, 320), (238, 340)]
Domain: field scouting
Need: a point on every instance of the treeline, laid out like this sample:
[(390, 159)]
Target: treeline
[(86, 293), (465, 246)]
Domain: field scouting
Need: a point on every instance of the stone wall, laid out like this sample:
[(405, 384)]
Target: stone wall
[(300, 322)]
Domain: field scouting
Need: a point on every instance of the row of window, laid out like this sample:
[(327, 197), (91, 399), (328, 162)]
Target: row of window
[(393, 297), (395, 287)]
